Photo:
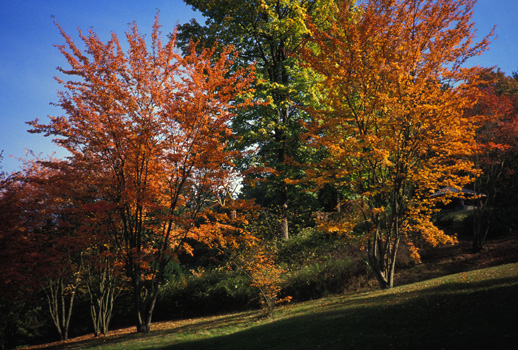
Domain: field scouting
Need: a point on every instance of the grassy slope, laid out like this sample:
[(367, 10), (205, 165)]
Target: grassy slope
[(469, 310)]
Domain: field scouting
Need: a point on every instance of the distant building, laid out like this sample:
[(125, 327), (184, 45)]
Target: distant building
[(461, 199)]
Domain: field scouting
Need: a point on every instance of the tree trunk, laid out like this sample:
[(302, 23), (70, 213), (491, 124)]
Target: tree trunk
[(285, 235), (376, 260), (145, 299), (144, 314), (60, 308), (382, 260), (481, 222), (103, 290), (282, 190)]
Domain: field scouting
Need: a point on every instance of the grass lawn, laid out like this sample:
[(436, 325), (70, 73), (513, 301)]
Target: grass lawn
[(469, 310)]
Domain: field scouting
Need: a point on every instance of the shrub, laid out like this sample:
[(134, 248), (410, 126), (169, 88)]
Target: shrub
[(316, 264), (309, 245), (205, 292), (322, 278)]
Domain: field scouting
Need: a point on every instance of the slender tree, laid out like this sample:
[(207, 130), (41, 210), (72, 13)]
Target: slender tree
[(395, 126)]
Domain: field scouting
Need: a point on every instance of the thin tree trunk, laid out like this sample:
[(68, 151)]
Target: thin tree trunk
[(285, 234), (376, 257), (383, 260), (392, 263), (283, 187), (60, 309)]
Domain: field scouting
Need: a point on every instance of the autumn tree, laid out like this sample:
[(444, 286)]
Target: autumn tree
[(267, 32), (102, 273), (251, 253), (34, 242), (61, 239), (50, 186), (395, 125), (19, 255), (61, 291), (256, 258), (19, 231), (496, 137), (146, 131)]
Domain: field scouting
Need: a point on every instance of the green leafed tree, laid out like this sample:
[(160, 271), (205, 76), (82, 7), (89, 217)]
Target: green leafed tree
[(268, 33)]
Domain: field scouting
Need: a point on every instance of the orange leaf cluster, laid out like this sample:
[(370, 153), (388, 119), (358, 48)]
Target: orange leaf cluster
[(395, 123)]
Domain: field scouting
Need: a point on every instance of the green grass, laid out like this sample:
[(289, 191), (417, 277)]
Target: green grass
[(471, 310)]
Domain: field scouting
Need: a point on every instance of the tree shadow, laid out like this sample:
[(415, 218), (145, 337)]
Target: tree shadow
[(453, 316), (458, 315), (183, 326)]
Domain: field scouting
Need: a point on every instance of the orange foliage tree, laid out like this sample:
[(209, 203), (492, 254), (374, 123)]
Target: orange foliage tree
[(394, 124), (256, 258), (496, 138), (146, 133), (102, 274)]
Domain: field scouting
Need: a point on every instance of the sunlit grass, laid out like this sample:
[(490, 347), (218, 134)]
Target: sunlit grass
[(472, 310)]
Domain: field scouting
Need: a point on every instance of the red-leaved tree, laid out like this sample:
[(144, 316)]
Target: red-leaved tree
[(496, 137), (146, 130)]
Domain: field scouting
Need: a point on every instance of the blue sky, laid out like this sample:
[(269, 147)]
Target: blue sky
[(28, 59)]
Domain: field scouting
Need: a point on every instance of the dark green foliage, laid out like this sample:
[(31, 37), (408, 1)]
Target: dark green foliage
[(310, 245), (319, 264), (267, 33), (267, 222), (321, 279), (453, 222), (18, 322), (209, 292), (503, 221)]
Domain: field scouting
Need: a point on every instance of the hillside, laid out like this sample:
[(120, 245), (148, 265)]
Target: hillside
[(445, 260), (476, 308)]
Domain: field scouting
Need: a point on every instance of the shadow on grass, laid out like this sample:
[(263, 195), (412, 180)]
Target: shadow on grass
[(466, 311), (453, 316), (188, 326)]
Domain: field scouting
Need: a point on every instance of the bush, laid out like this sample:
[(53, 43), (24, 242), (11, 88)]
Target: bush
[(205, 293), (319, 264), (322, 278), (308, 246)]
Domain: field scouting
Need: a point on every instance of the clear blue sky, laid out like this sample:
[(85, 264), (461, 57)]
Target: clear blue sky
[(28, 58)]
